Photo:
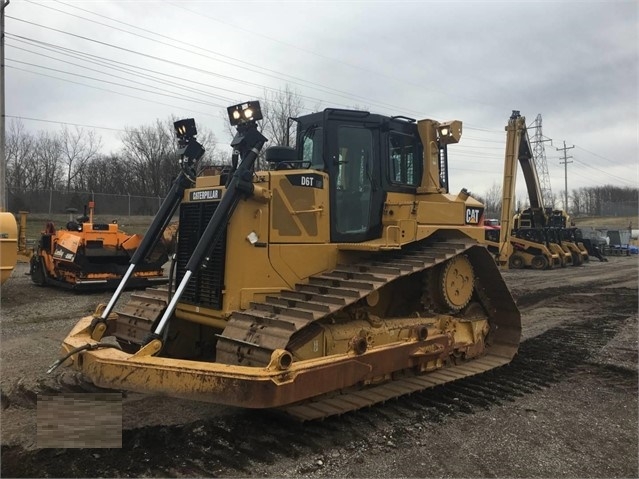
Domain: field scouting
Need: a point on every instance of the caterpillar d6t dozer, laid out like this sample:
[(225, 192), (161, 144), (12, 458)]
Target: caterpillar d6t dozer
[(342, 276)]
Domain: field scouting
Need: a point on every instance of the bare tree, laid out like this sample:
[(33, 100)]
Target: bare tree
[(277, 108), (20, 155), (152, 153), (493, 200), (576, 202), (108, 174), (147, 149), (47, 172), (78, 148), (212, 155)]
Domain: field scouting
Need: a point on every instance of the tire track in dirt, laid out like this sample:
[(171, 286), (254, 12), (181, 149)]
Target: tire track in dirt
[(233, 445)]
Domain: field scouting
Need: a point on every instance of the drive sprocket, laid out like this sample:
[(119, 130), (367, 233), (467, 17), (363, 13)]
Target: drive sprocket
[(457, 282), (448, 287)]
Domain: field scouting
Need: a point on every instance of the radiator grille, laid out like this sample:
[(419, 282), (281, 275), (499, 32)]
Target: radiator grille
[(205, 287)]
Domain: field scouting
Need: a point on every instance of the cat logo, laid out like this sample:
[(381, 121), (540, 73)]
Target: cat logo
[(473, 215)]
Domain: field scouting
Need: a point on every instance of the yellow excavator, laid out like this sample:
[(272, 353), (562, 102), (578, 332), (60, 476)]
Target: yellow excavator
[(344, 275), (536, 237)]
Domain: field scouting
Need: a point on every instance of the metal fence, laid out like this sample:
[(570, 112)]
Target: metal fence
[(60, 202), (621, 208)]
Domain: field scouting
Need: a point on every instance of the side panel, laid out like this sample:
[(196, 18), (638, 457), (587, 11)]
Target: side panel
[(299, 210)]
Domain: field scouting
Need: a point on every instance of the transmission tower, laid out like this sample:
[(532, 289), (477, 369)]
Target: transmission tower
[(539, 156)]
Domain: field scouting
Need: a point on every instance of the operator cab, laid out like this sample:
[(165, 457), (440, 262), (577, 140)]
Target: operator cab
[(365, 156)]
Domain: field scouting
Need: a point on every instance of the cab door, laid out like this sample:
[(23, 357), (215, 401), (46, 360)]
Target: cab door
[(357, 198)]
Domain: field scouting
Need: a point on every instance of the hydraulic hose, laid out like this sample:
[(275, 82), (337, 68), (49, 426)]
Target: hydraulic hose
[(79, 349)]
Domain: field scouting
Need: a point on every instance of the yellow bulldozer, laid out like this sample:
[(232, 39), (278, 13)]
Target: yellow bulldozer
[(343, 275)]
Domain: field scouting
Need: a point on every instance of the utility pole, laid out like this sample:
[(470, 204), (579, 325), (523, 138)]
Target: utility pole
[(3, 156), (565, 163)]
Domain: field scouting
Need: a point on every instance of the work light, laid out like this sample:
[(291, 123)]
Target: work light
[(450, 132), (244, 113), (185, 128)]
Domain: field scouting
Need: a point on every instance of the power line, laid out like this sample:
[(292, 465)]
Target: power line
[(146, 55), (322, 88), (113, 63), (399, 79), (183, 44), (625, 180), (598, 156), (182, 97), (191, 67), (86, 126), (485, 140), (64, 123), (124, 70), (333, 92), (107, 90)]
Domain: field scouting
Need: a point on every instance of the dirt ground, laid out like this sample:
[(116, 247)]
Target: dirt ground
[(565, 407)]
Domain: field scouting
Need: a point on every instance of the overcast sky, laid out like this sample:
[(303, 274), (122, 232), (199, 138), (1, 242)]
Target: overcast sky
[(574, 62)]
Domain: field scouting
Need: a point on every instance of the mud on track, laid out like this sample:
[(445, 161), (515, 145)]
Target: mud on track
[(566, 406)]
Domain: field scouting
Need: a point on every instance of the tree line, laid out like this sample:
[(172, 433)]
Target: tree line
[(72, 158), (602, 200), (599, 200)]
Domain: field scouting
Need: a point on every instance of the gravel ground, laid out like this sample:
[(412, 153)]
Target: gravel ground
[(565, 407)]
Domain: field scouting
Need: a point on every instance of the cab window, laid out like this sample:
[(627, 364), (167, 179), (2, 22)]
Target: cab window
[(405, 156), (312, 150)]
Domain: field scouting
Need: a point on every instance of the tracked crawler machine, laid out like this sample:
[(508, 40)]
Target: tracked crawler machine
[(88, 255), (344, 275)]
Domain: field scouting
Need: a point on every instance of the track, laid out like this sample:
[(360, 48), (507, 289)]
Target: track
[(273, 324), (281, 321)]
